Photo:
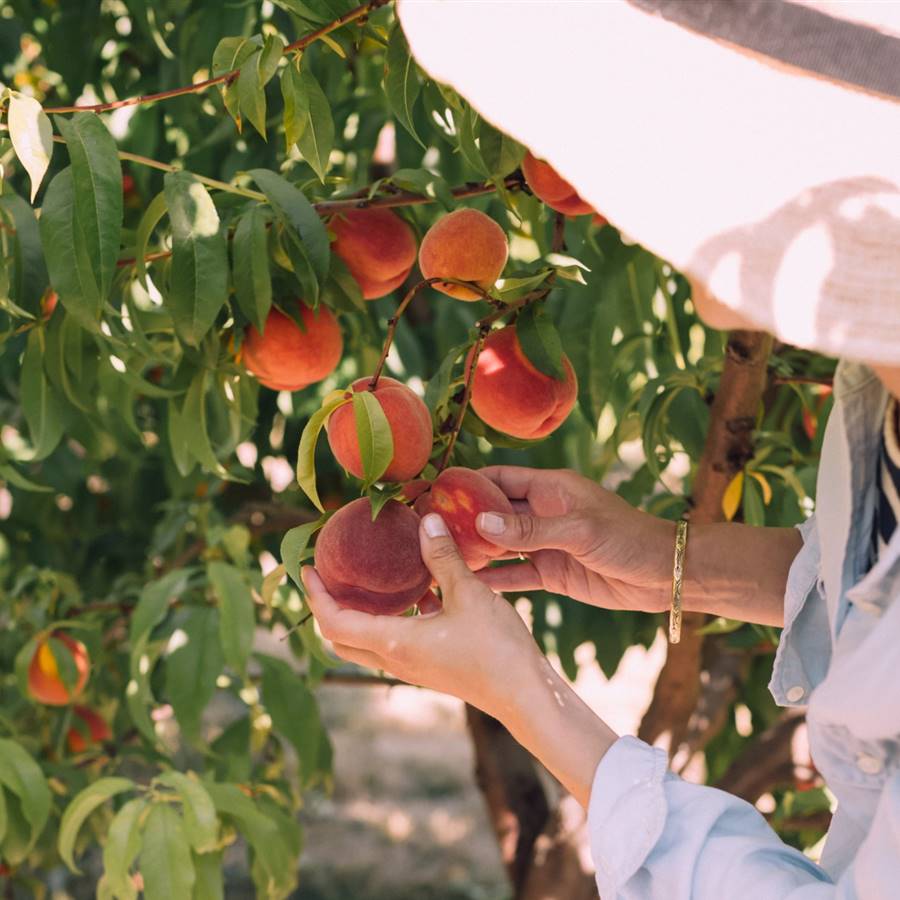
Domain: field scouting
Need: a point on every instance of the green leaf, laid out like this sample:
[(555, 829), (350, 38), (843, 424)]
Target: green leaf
[(270, 584), (308, 122), (97, 182), (252, 277), (401, 81), (154, 602), (29, 277), (123, 841), (166, 863), (306, 454), (236, 614), (294, 712), (23, 777), (3, 816), (155, 210), (82, 805), (201, 824), (40, 406), (209, 884), (32, 137), (540, 341), (421, 181), (12, 476), (293, 547), (230, 54), (194, 423), (252, 95), (193, 666), (501, 154), (199, 272), (376, 441), (296, 212), (70, 266)]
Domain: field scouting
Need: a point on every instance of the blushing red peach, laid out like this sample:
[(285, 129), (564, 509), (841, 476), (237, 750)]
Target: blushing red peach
[(375, 567), (458, 495), (552, 189), (466, 245), (45, 684), (92, 729), (511, 395), (409, 421), (287, 358), (378, 248)]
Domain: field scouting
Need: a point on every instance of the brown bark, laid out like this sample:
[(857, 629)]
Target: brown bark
[(729, 445)]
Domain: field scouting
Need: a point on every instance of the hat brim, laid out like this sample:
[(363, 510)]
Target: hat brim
[(776, 191)]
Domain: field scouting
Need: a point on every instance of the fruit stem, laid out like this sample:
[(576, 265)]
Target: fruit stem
[(395, 318), (471, 363)]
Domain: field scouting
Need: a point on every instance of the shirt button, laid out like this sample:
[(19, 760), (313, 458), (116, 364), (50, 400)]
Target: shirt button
[(795, 693), (869, 765)]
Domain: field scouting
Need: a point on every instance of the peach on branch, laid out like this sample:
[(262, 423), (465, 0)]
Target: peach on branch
[(45, 684), (458, 495), (286, 357), (510, 394), (375, 567), (90, 729), (378, 248), (409, 421), (551, 188), (465, 245)]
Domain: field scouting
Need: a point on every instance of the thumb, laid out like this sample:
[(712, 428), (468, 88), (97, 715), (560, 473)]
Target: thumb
[(441, 554), (524, 531)]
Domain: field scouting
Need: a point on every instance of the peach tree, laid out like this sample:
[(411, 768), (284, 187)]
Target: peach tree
[(226, 231)]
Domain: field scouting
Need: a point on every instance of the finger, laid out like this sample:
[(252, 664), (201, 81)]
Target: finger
[(514, 481), (348, 626), (520, 577), (441, 554), (361, 657), (523, 531), (521, 506)]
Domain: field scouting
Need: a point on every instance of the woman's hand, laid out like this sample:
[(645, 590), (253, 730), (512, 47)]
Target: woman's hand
[(478, 649), (475, 648), (581, 541)]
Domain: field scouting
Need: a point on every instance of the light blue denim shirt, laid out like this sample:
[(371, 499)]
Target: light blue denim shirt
[(653, 835)]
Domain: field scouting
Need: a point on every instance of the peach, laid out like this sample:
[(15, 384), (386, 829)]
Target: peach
[(286, 357), (378, 248), (466, 245), (44, 681), (551, 188), (409, 421), (511, 395), (91, 730), (458, 495), (375, 567)]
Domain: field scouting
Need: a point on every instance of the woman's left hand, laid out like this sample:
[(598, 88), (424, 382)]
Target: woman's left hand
[(476, 647)]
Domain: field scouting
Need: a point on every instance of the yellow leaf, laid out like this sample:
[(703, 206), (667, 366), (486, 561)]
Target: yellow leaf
[(766, 487), (731, 499)]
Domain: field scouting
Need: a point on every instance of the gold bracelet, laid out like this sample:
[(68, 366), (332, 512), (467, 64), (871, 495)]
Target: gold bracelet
[(681, 535)]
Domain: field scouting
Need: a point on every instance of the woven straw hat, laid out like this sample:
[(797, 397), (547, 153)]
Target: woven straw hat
[(753, 143)]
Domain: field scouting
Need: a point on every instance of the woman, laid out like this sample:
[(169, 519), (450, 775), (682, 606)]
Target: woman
[(777, 190)]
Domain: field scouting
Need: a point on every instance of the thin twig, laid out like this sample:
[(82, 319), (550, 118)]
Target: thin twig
[(824, 381), (354, 14)]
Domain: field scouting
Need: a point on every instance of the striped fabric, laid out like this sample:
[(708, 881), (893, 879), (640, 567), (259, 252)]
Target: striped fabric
[(888, 504)]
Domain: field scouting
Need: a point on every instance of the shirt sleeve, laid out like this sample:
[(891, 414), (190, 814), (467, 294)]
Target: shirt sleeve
[(657, 837)]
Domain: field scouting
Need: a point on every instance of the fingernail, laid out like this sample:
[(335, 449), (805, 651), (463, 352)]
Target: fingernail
[(435, 526), (492, 523)]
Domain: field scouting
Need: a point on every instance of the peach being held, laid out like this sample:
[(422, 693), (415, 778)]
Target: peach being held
[(551, 188), (409, 421), (286, 357), (45, 684), (466, 245), (378, 248), (458, 495), (511, 395), (375, 567)]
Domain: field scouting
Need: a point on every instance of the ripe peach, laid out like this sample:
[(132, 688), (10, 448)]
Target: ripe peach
[(511, 395), (287, 358), (91, 730), (44, 682), (551, 188), (459, 495), (48, 304), (466, 245), (378, 248), (410, 424), (371, 566)]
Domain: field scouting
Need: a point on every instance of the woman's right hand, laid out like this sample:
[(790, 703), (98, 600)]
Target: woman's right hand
[(579, 539)]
